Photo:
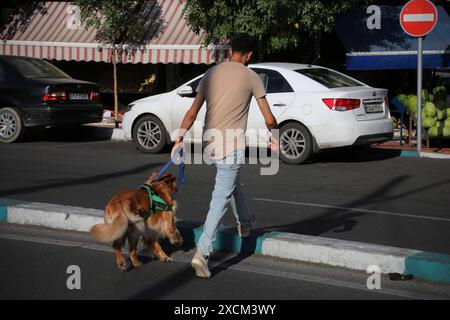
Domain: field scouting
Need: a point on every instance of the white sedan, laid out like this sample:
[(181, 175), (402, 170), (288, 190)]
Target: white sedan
[(316, 108)]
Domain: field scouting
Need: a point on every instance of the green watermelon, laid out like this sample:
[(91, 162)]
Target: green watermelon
[(428, 122), (430, 109), (403, 98), (446, 131), (424, 114), (425, 94), (435, 131), (412, 104), (440, 93)]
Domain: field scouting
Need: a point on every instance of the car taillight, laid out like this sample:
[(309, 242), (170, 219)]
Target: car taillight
[(386, 102), (94, 96), (342, 104), (54, 96)]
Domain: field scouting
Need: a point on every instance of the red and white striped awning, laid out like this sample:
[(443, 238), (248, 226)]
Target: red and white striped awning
[(58, 35)]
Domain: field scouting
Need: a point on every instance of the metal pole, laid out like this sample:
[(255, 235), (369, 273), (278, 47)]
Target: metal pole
[(419, 94)]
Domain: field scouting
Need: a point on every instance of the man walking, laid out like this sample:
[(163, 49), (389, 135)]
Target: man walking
[(227, 89)]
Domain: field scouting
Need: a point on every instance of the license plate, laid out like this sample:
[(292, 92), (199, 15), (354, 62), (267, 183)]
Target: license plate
[(78, 96), (373, 108)]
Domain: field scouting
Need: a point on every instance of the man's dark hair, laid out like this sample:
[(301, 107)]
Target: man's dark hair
[(242, 43)]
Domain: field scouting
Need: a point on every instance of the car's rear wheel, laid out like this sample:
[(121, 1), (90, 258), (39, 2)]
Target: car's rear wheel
[(149, 134), (11, 125), (296, 144)]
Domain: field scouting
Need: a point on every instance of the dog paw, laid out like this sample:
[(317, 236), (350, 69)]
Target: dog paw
[(137, 264), (122, 267), (166, 259)]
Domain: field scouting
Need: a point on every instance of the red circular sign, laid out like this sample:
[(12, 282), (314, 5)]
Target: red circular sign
[(418, 17)]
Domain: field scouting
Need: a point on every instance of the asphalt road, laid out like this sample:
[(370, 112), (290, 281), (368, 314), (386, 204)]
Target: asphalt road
[(35, 262), (364, 195)]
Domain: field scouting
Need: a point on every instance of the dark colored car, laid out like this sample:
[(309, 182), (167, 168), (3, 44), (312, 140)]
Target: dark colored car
[(33, 93)]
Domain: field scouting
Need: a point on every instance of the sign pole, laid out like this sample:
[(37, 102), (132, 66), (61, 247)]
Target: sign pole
[(419, 93)]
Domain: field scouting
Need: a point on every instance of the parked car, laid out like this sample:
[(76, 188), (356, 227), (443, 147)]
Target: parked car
[(316, 108), (33, 92)]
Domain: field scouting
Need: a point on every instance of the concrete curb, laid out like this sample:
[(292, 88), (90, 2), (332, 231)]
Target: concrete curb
[(430, 155), (113, 134), (347, 254)]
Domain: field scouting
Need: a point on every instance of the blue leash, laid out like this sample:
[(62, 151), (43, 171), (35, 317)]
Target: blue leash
[(166, 167)]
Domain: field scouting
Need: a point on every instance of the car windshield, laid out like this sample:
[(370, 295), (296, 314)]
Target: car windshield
[(329, 78), (34, 68)]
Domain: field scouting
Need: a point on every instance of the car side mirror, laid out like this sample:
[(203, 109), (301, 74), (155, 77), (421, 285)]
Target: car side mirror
[(185, 91)]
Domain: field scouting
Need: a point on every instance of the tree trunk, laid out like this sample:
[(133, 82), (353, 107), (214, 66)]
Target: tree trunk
[(116, 97)]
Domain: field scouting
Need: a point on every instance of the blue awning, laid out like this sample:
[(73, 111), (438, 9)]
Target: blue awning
[(390, 47)]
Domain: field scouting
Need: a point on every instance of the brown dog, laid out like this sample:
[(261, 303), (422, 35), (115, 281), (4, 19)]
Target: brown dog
[(128, 215)]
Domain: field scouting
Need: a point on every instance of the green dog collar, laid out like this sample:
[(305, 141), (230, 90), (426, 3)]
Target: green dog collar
[(155, 202)]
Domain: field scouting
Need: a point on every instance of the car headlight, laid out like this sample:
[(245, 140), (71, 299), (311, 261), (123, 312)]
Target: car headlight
[(129, 107)]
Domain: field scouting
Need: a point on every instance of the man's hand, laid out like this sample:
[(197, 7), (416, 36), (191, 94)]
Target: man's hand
[(274, 143), (175, 154)]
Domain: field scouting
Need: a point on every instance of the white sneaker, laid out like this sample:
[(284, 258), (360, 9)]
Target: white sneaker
[(200, 265)]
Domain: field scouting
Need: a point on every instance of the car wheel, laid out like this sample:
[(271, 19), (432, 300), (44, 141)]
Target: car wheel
[(295, 143), (149, 134), (11, 125)]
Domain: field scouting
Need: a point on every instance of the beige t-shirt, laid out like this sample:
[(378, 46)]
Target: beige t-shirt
[(228, 89)]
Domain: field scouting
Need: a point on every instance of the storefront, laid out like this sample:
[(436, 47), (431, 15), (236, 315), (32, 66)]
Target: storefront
[(58, 35), (376, 46)]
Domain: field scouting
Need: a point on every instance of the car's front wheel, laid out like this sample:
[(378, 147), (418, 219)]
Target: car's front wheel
[(149, 134), (11, 125), (296, 145)]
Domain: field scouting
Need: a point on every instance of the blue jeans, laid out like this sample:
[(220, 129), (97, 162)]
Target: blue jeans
[(226, 191)]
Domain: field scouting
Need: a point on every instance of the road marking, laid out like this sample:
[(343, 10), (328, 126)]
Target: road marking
[(425, 17), (317, 205), (271, 272)]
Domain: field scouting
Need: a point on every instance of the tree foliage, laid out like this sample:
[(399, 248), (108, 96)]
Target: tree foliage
[(279, 24), (123, 23), (16, 16)]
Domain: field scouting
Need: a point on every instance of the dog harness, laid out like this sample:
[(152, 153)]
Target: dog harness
[(155, 202)]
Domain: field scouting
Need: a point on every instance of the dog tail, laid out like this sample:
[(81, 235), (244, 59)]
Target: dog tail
[(109, 232)]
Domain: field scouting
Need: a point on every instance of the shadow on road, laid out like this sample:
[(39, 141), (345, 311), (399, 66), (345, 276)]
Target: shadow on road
[(79, 181), (67, 134), (336, 220), (355, 154)]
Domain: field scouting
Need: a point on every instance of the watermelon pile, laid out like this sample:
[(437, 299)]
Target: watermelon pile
[(435, 110)]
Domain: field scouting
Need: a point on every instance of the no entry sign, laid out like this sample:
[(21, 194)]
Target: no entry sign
[(418, 17)]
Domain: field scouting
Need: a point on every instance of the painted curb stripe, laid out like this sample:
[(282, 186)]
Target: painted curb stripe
[(409, 153), (4, 204), (3, 213), (227, 239), (430, 155), (431, 266)]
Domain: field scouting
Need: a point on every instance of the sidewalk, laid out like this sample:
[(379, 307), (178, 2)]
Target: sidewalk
[(339, 253), (410, 150)]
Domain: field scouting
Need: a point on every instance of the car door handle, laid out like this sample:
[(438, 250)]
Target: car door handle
[(279, 104)]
